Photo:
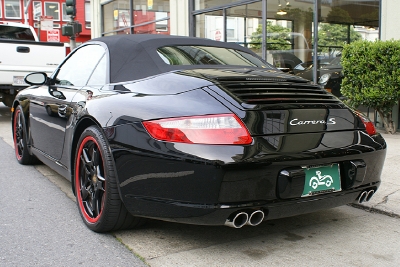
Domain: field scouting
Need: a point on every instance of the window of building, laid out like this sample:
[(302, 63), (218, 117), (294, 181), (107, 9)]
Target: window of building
[(52, 9), (12, 9), (88, 14), (65, 17), (37, 10), (162, 25), (117, 18)]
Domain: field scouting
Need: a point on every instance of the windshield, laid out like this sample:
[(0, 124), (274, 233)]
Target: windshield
[(208, 55), (18, 33)]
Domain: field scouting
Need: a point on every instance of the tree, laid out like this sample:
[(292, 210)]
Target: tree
[(334, 35), (278, 37), (372, 77)]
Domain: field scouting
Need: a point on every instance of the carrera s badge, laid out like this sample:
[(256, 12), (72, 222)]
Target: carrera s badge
[(296, 122)]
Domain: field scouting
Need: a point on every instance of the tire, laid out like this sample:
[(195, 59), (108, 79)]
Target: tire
[(20, 134), (96, 188)]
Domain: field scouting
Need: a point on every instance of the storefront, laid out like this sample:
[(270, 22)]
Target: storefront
[(282, 32)]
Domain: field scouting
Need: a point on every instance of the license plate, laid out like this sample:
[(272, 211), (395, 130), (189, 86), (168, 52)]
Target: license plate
[(321, 180), (18, 80)]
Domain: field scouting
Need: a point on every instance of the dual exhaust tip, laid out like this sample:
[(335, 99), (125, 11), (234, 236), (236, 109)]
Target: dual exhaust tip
[(242, 218), (365, 196), (254, 218)]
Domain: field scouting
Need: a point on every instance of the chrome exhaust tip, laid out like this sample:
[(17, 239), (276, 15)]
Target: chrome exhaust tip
[(238, 220), (369, 195), (362, 197), (256, 218)]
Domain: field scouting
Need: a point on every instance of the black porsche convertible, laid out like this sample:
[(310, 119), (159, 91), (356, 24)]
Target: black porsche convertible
[(194, 131)]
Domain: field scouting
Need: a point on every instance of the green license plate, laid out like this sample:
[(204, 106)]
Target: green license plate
[(321, 180)]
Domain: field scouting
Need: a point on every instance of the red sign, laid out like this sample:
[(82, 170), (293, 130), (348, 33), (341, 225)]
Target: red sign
[(53, 36)]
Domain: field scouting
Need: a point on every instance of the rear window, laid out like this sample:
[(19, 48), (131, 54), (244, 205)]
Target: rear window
[(16, 33), (208, 55)]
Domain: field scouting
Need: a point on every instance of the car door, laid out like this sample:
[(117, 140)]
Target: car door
[(52, 106)]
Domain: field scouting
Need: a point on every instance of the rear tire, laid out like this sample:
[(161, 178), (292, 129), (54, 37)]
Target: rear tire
[(96, 188), (20, 136)]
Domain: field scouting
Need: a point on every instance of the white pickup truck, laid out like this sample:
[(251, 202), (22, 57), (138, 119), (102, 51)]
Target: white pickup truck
[(22, 53)]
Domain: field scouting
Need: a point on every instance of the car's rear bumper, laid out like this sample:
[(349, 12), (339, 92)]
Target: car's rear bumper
[(202, 214), (203, 184)]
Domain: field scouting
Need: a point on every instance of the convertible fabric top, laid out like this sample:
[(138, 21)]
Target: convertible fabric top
[(134, 56)]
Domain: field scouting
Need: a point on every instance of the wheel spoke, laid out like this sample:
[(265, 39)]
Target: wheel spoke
[(99, 175), (98, 198), (20, 145), (84, 192)]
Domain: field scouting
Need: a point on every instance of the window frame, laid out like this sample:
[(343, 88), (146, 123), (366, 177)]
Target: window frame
[(41, 10), (88, 14), (52, 3), (5, 11), (64, 12)]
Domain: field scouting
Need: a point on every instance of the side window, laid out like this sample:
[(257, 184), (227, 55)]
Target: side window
[(100, 73), (80, 65)]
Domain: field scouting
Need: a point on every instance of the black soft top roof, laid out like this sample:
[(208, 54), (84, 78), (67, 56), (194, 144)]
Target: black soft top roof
[(134, 56)]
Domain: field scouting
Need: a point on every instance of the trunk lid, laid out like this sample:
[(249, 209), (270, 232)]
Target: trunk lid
[(279, 103)]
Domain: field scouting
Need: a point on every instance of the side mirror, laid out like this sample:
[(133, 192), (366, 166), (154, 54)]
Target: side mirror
[(36, 78)]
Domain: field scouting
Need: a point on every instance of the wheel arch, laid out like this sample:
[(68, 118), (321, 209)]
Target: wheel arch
[(81, 126)]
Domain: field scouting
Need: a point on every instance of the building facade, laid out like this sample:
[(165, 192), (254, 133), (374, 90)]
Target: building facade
[(47, 17)]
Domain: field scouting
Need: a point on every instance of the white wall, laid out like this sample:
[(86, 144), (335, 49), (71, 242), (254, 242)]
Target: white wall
[(179, 17), (390, 20), (96, 18)]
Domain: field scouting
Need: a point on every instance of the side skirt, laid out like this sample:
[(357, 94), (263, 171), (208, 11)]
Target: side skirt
[(52, 163)]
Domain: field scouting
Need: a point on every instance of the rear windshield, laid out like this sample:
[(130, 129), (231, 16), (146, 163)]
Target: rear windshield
[(18, 33), (208, 55)]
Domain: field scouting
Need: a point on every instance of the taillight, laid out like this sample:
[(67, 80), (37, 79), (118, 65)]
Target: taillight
[(369, 126), (222, 129)]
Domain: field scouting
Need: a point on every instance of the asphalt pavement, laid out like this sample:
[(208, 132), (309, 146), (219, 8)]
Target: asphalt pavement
[(39, 226), (387, 199)]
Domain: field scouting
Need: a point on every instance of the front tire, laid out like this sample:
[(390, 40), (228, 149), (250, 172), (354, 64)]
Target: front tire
[(20, 136), (96, 187)]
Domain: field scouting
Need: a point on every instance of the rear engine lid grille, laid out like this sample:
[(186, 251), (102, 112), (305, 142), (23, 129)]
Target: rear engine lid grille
[(256, 92)]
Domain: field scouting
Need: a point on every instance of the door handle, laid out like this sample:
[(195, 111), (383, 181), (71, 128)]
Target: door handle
[(23, 49)]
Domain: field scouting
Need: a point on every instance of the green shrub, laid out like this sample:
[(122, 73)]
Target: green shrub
[(372, 76)]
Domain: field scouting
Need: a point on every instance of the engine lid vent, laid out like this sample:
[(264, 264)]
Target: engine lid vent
[(273, 92)]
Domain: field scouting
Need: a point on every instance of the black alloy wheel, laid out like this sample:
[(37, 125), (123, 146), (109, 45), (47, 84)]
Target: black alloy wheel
[(96, 187), (20, 139)]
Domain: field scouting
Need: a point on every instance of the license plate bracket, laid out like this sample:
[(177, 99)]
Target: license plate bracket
[(19, 80), (321, 180)]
